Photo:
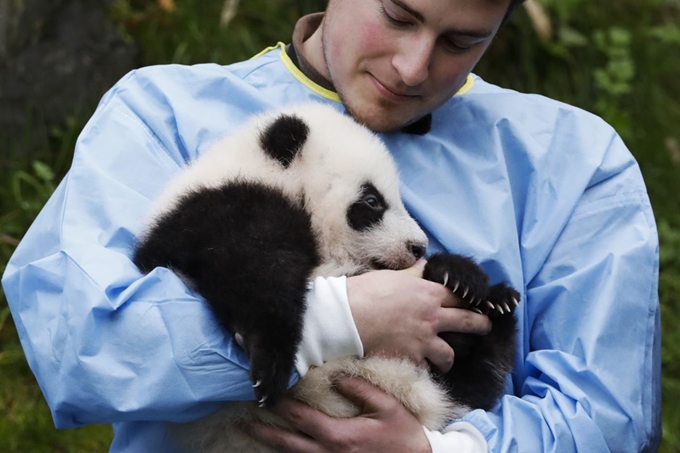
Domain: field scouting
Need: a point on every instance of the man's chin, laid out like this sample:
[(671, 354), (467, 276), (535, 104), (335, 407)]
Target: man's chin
[(378, 116), (379, 120)]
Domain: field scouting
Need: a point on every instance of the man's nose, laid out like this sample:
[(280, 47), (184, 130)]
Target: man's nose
[(412, 60)]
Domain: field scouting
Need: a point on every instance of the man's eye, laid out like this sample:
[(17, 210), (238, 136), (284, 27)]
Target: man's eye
[(393, 20), (453, 46)]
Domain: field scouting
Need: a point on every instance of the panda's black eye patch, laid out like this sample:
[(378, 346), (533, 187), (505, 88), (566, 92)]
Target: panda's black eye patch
[(284, 137), (368, 209)]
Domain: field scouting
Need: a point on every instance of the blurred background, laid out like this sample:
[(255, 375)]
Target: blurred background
[(620, 60)]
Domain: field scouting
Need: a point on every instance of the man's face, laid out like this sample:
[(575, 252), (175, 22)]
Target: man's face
[(394, 61)]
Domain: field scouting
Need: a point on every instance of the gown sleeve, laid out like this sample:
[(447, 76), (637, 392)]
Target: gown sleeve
[(106, 343), (590, 374)]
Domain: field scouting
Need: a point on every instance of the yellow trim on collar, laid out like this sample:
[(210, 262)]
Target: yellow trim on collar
[(303, 79), (328, 94), (467, 86), (277, 46)]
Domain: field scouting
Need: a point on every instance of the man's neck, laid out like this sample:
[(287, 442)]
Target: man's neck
[(308, 50)]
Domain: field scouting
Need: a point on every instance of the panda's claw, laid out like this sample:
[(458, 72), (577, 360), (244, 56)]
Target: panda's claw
[(240, 340), (446, 278), (477, 310), (505, 297), (463, 276), (266, 358)]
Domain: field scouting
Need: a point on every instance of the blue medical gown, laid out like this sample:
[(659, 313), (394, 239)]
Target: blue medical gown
[(543, 195)]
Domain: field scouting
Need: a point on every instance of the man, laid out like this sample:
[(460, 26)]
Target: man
[(545, 196)]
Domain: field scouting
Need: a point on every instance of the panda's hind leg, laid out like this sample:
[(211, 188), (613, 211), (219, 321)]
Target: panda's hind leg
[(249, 251)]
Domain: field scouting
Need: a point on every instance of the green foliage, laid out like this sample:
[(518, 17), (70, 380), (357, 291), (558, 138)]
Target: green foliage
[(193, 33), (25, 420), (669, 290), (26, 186), (614, 80)]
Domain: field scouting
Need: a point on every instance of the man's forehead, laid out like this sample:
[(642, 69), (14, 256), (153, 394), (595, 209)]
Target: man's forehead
[(469, 17)]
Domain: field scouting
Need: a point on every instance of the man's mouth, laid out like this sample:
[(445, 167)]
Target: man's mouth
[(392, 94)]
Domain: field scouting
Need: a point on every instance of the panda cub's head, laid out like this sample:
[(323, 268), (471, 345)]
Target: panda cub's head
[(348, 183), (338, 171)]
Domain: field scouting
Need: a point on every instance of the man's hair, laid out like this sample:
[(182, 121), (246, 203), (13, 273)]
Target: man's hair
[(508, 14)]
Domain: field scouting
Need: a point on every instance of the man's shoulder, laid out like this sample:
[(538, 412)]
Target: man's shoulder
[(185, 108), (529, 109), (201, 90), (173, 75)]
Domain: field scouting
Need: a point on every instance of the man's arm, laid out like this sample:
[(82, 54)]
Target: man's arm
[(590, 379), (106, 343), (589, 374)]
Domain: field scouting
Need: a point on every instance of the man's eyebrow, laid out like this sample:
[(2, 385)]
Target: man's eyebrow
[(472, 33), (419, 17)]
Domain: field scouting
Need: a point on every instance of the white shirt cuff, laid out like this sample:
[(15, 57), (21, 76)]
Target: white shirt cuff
[(329, 331), (459, 437)]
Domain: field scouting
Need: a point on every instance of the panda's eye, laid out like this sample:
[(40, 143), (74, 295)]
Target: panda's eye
[(372, 201), (368, 209)]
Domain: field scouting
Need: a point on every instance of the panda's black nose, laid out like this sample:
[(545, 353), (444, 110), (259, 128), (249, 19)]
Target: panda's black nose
[(417, 250)]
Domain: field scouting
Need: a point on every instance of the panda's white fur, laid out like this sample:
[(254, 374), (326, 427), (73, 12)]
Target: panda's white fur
[(221, 432), (325, 173), (338, 156)]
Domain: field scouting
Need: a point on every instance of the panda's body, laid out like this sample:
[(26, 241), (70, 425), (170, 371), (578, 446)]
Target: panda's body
[(296, 194)]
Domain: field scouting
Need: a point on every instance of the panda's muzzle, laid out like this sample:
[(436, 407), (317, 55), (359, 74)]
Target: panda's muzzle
[(417, 251)]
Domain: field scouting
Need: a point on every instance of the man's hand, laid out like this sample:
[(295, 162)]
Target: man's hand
[(398, 314), (384, 425)]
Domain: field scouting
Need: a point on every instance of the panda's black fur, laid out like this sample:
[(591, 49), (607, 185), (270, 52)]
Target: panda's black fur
[(248, 259), (249, 240)]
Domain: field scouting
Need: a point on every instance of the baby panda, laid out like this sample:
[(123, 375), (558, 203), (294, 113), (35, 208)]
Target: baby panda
[(298, 193)]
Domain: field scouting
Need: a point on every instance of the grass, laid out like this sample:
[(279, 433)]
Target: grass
[(25, 421)]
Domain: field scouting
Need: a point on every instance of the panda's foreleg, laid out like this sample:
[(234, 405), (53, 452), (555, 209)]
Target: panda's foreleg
[(249, 251), (482, 362)]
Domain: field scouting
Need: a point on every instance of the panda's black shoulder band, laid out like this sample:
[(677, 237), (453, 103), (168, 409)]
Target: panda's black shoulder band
[(284, 137)]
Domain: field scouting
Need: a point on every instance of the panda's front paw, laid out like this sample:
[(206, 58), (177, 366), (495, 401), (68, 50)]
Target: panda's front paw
[(503, 298), (462, 276), (270, 368)]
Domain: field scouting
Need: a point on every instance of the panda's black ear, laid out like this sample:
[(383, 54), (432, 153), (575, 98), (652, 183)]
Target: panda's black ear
[(284, 138)]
